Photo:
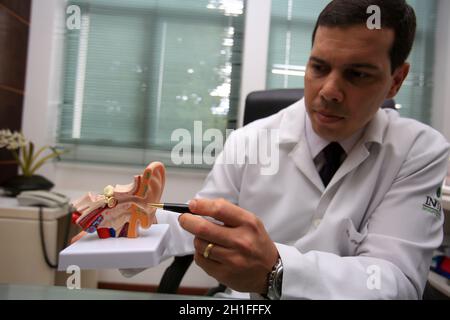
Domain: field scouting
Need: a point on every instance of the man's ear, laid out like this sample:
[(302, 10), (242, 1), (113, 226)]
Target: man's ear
[(399, 76)]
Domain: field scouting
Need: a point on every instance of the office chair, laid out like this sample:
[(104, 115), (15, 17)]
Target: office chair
[(261, 104), (258, 104)]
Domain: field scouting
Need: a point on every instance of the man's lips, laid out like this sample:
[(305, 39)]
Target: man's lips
[(327, 118)]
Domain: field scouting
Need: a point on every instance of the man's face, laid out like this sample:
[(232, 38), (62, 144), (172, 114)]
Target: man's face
[(348, 77)]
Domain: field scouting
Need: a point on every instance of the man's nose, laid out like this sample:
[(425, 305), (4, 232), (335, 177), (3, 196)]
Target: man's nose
[(331, 90)]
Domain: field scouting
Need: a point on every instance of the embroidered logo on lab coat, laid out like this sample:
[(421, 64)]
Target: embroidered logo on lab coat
[(433, 204)]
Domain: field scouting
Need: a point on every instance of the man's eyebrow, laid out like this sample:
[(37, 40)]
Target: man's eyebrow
[(351, 65), (318, 60), (363, 65)]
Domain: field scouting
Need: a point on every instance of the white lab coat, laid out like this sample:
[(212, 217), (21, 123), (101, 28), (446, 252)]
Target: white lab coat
[(369, 235)]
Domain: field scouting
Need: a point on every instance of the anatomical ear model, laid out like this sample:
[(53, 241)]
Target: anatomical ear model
[(120, 210)]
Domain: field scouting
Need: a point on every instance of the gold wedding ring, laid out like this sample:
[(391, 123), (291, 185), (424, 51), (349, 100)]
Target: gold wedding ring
[(208, 250)]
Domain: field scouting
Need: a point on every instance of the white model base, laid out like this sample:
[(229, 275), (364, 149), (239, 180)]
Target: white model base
[(91, 252)]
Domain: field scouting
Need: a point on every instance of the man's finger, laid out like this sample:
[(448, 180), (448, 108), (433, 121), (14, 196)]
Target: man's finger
[(214, 252), (207, 230), (220, 209), (211, 267)]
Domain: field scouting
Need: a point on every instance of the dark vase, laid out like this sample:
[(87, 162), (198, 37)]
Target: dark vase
[(20, 183)]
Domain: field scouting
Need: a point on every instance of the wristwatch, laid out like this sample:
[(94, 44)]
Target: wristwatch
[(275, 281)]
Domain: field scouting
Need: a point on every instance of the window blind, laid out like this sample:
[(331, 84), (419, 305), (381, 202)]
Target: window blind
[(292, 24), (138, 70)]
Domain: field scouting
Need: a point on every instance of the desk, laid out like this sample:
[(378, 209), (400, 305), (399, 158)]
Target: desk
[(25, 292), (439, 283)]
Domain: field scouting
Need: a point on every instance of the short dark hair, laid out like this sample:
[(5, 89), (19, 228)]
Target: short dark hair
[(395, 14)]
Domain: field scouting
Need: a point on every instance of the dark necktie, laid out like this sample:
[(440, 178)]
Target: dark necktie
[(333, 154)]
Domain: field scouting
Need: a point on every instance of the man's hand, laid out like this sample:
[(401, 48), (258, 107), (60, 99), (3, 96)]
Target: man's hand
[(243, 253)]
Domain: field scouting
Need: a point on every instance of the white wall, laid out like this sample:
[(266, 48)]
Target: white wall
[(257, 25)]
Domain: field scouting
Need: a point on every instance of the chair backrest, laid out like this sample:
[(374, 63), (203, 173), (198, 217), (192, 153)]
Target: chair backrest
[(261, 104)]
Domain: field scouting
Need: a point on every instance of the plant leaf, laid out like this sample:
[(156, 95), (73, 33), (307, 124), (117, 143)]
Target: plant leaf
[(30, 154), (48, 157), (23, 160), (24, 154), (38, 153)]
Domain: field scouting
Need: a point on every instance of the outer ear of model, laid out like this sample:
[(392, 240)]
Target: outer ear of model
[(120, 210)]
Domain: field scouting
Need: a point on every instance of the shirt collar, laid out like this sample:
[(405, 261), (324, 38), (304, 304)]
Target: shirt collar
[(316, 143)]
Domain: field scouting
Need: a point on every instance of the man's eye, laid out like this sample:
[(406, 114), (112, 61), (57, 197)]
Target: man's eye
[(358, 75), (318, 68)]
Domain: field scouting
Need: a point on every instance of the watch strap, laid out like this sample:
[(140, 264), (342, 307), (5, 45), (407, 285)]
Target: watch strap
[(274, 281)]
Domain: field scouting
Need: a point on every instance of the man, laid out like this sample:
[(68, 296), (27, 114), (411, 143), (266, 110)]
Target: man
[(366, 232)]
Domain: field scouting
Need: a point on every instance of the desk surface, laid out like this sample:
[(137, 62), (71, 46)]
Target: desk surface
[(25, 292), (440, 283)]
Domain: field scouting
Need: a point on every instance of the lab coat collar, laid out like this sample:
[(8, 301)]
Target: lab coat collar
[(292, 125), (375, 128), (373, 135), (292, 131)]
